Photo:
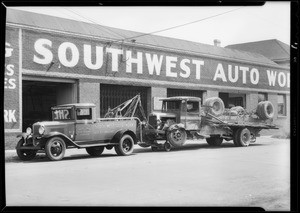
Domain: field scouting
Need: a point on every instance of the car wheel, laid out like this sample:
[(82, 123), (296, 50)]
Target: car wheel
[(55, 148), (25, 154), (125, 146), (167, 146), (177, 137), (214, 141), (95, 151), (242, 137)]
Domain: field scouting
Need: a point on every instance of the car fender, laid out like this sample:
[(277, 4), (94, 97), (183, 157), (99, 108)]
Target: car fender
[(67, 140), (24, 135), (116, 138)]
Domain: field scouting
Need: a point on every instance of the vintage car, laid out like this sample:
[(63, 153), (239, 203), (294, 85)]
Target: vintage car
[(76, 126), (182, 118)]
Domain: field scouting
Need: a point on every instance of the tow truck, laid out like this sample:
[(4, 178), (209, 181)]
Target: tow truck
[(181, 119)]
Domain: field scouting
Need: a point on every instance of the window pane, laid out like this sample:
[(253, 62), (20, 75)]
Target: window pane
[(281, 104)]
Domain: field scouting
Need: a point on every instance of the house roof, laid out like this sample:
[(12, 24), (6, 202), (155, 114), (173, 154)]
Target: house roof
[(30, 19), (272, 49)]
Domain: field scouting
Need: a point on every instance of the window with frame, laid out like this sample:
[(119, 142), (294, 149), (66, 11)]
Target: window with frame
[(281, 101), (84, 113), (262, 97)]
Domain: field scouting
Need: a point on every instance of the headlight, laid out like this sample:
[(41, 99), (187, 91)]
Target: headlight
[(41, 130), (28, 130)]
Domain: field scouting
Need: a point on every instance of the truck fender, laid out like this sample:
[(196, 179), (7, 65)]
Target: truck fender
[(176, 126), (24, 135), (116, 138), (67, 140)]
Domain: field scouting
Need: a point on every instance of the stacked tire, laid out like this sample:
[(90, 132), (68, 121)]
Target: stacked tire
[(265, 110), (215, 106)]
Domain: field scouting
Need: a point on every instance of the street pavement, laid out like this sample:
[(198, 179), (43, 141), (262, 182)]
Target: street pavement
[(194, 175)]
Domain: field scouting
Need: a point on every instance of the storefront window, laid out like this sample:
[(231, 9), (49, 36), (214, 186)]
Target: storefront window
[(262, 97), (281, 104)]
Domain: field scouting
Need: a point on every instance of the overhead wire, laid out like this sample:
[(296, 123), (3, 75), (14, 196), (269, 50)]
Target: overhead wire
[(181, 25), (154, 32), (102, 27)]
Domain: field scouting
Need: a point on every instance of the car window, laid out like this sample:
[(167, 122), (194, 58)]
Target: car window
[(84, 113), (192, 106), (60, 114)]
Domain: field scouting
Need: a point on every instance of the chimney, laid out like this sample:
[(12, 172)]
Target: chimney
[(217, 43)]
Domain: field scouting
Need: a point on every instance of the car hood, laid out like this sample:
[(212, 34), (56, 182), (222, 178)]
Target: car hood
[(164, 114)]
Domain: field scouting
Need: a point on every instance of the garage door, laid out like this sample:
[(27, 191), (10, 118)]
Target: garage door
[(114, 95)]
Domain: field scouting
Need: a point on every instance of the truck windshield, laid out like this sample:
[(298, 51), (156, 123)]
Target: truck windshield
[(171, 105), (59, 114)]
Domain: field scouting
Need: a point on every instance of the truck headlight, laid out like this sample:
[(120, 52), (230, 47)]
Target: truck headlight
[(28, 130), (41, 130)]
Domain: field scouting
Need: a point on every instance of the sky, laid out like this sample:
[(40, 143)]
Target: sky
[(230, 25)]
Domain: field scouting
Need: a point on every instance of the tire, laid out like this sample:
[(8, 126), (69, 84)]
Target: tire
[(125, 146), (25, 154), (55, 148), (265, 110), (95, 151), (216, 106), (177, 137), (214, 141), (167, 146), (240, 110), (242, 137)]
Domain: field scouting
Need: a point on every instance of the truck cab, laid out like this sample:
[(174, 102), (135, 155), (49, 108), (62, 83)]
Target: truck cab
[(180, 110)]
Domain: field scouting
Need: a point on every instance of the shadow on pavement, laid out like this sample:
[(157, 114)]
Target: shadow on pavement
[(41, 157)]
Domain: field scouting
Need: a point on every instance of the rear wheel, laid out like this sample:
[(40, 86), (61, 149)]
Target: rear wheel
[(125, 146), (242, 137), (214, 141), (95, 151), (55, 148), (25, 154)]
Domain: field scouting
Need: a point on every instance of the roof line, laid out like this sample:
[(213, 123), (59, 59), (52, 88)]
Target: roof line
[(153, 46), (282, 46)]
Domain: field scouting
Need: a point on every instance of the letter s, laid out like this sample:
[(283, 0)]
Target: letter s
[(40, 48)]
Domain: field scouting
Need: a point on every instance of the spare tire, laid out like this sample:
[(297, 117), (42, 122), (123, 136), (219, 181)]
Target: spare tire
[(238, 109), (215, 106), (265, 110)]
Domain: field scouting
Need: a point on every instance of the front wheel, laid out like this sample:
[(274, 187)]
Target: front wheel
[(95, 151), (55, 148), (125, 146), (177, 137), (214, 141), (167, 146), (242, 137), (25, 154)]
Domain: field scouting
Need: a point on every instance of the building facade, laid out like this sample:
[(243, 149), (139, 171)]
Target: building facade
[(50, 61)]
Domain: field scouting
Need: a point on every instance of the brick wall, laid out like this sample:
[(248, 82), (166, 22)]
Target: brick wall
[(90, 93), (156, 93)]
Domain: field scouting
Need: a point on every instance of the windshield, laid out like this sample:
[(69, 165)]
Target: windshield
[(171, 105), (59, 114)]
